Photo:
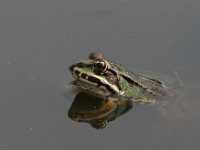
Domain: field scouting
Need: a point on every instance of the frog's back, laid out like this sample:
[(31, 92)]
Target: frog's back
[(137, 79)]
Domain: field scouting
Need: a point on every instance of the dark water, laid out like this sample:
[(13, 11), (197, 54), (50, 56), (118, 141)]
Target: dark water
[(40, 38)]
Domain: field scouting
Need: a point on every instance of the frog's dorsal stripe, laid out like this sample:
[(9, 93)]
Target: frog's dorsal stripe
[(159, 83), (136, 78), (145, 83)]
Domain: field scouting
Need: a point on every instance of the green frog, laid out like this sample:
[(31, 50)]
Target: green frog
[(102, 77)]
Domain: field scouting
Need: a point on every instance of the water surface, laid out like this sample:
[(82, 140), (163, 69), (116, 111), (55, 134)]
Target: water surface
[(39, 39)]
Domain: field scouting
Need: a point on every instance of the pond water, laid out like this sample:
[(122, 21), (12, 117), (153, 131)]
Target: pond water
[(40, 38)]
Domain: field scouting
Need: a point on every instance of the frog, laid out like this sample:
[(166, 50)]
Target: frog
[(105, 78)]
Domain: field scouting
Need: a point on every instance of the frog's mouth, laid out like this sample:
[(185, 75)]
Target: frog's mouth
[(85, 74)]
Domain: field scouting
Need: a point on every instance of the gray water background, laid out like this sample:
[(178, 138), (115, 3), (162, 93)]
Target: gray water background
[(40, 38)]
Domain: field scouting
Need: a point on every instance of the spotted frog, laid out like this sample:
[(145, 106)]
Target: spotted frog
[(102, 77)]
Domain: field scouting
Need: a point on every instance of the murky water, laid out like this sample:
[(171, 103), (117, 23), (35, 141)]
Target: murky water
[(39, 39)]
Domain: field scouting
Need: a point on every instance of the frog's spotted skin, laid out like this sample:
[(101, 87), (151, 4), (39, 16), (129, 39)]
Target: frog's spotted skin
[(103, 77)]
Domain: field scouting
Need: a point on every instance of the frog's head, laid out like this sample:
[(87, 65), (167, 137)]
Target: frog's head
[(93, 73)]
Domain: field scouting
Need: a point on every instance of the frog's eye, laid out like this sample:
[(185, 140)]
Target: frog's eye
[(100, 67), (96, 56)]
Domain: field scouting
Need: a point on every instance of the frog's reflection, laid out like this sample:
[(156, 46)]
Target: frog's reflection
[(97, 111)]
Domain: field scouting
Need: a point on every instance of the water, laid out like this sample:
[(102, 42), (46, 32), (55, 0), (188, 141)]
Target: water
[(39, 39)]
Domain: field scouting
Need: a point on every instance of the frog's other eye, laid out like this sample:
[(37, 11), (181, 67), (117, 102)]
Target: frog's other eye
[(100, 67), (96, 56)]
